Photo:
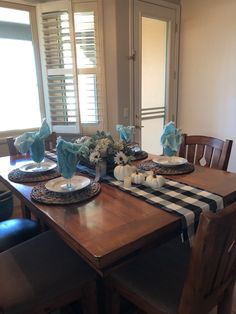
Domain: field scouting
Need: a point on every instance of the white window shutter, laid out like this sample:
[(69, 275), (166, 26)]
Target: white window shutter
[(85, 38), (90, 65), (71, 37), (60, 67)]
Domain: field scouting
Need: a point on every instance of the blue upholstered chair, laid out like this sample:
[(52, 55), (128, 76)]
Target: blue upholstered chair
[(13, 231)]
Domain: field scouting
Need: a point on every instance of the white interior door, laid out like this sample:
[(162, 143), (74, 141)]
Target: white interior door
[(155, 65)]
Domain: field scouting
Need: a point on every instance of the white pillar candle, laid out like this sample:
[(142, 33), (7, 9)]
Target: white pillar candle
[(127, 182)]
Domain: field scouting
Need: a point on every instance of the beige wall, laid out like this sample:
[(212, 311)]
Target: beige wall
[(207, 89), (123, 62), (110, 48)]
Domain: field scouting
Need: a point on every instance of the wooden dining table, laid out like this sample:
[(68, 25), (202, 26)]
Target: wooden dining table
[(114, 226)]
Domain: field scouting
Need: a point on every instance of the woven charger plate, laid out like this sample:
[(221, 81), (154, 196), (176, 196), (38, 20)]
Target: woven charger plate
[(148, 165), (19, 176), (42, 195)]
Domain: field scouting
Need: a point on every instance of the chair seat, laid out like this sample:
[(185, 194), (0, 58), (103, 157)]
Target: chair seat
[(161, 281), (37, 272), (15, 231)]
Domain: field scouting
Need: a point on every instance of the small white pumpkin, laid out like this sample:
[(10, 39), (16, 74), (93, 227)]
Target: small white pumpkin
[(122, 171), (155, 181), (137, 177)]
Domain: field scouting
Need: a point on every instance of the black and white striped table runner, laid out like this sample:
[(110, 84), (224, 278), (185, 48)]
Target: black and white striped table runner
[(182, 200)]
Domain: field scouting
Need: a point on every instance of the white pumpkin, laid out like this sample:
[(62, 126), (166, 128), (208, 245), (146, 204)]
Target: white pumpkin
[(137, 177), (155, 181), (122, 171)]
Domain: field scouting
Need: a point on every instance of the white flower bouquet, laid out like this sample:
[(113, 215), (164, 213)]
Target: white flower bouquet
[(101, 146)]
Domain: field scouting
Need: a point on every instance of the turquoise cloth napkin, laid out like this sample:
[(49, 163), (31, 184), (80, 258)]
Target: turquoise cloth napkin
[(126, 132), (37, 149), (67, 157), (171, 139), (33, 142)]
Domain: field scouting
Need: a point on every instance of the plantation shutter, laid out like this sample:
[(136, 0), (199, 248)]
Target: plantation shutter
[(73, 62), (60, 67), (89, 59)]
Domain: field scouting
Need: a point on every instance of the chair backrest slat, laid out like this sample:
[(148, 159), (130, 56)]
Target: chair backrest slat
[(191, 153), (225, 155), (183, 147), (208, 155), (213, 262), (199, 154), (11, 147), (215, 161), (50, 143), (206, 151), (226, 262)]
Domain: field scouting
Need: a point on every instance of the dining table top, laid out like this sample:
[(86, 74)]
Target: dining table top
[(114, 226)]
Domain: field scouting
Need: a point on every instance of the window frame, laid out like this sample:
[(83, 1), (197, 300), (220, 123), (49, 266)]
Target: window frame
[(35, 40)]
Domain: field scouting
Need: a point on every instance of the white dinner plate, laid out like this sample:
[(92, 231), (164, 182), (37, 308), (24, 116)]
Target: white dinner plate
[(169, 161), (58, 184), (44, 167)]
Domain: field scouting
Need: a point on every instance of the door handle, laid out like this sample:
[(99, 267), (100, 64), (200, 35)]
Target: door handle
[(132, 56), (138, 126)]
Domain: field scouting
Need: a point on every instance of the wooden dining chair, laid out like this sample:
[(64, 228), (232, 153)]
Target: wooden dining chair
[(42, 275), (171, 280), (50, 143), (206, 151), (11, 147)]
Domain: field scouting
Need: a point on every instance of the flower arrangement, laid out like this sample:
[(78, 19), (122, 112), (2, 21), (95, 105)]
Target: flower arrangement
[(121, 159), (101, 146)]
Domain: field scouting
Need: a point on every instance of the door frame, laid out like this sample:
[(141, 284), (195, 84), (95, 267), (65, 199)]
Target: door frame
[(173, 114)]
